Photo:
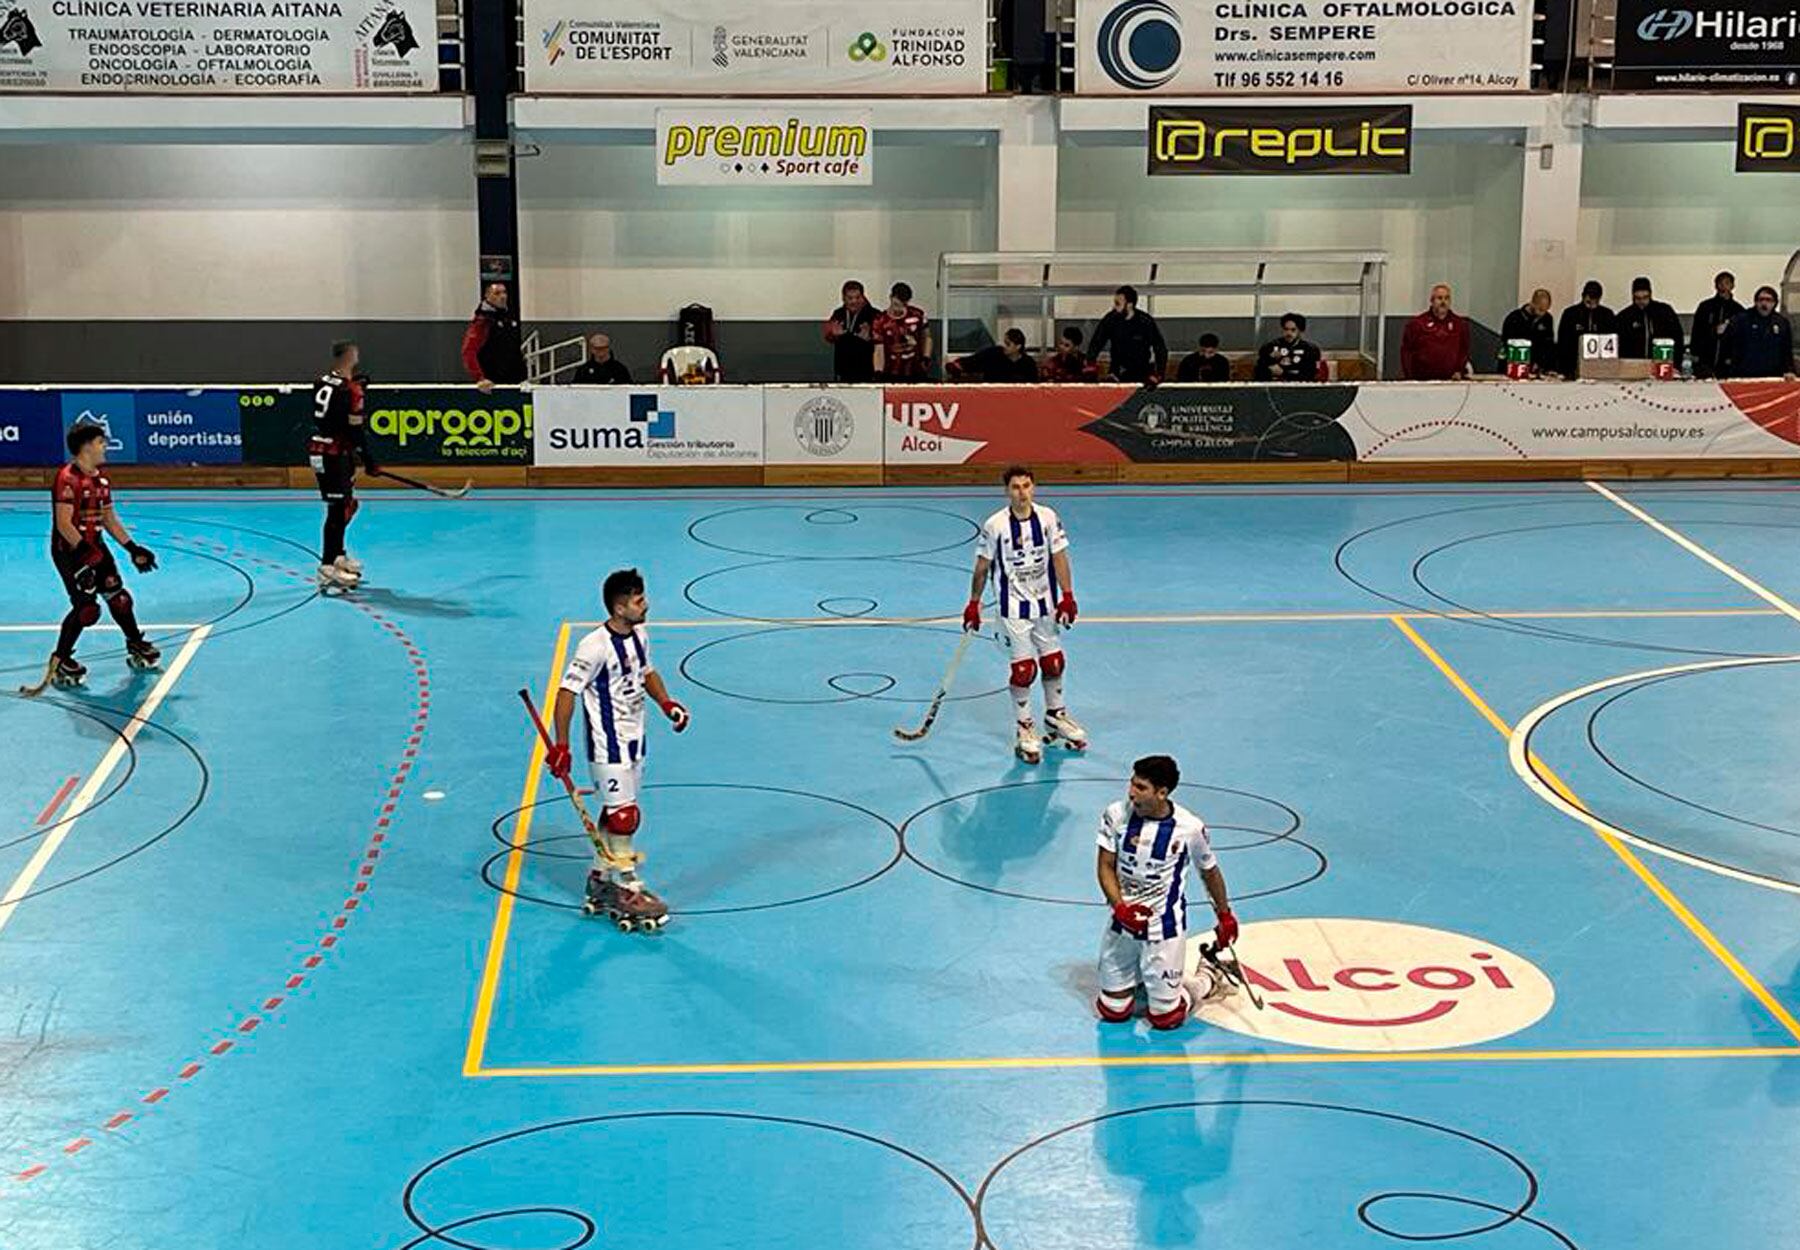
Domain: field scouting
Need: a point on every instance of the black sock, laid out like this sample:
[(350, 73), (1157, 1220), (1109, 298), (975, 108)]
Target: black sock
[(126, 616), (66, 636), (336, 519)]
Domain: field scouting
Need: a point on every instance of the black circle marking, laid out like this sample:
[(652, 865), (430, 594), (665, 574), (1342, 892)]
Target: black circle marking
[(693, 530)]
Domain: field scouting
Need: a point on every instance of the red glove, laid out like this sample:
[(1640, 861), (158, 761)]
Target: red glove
[(972, 615), (556, 759), (1065, 610), (677, 714), (1134, 917), (1226, 930)]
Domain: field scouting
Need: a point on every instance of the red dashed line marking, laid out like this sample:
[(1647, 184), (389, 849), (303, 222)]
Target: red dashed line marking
[(365, 869)]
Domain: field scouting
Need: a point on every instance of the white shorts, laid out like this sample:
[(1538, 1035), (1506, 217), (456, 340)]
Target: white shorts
[(1127, 962), (1041, 635), (616, 785)]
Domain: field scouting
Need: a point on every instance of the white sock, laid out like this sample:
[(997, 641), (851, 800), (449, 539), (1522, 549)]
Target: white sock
[(1053, 693), (1021, 696)]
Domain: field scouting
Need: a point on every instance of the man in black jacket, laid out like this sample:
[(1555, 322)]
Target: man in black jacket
[(1759, 342), (601, 368), (1289, 358), (492, 349), (1532, 324), (1005, 361), (851, 332), (1138, 351), (1711, 320), (1644, 321), (1209, 364), (1590, 316)]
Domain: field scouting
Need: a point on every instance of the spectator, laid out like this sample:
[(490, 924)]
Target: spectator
[(1289, 358), (1138, 351), (1206, 365), (902, 337), (1005, 361), (1760, 341), (1532, 324), (1711, 320), (1435, 344), (491, 347), (1068, 363), (851, 332), (1647, 320), (1590, 316), (601, 368)]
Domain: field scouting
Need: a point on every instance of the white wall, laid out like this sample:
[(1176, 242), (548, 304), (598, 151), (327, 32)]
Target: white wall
[(1454, 219), (600, 240), (1678, 213), (95, 232)]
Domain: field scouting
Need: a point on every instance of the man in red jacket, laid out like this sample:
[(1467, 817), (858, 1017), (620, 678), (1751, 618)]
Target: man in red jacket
[(1435, 347)]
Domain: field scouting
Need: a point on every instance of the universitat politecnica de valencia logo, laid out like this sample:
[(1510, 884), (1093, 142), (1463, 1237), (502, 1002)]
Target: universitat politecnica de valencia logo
[(1139, 44)]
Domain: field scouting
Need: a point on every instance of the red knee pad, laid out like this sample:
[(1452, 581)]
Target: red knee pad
[(1173, 1018), (1024, 672), (87, 612), (1111, 1015), (623, 821), (1053, 664), (120, 602)]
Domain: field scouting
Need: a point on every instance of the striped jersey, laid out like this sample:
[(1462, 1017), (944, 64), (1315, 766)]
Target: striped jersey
[(608, 673), (1153, 862), (1020, 549)]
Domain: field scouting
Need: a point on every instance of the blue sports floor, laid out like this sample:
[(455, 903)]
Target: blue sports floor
[(290, 955)]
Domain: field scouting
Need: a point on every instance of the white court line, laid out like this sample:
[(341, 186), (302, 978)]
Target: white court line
[(34, 868), (1213, 618), (41, 627)]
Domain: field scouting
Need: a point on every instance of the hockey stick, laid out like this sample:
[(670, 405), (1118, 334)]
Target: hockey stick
[(599, 839), (32, 692), (459, 493), (937, 700), (1225, 963)]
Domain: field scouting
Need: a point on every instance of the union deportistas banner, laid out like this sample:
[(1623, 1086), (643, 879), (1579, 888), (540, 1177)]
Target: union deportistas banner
[(218, 45), (1221, 47)]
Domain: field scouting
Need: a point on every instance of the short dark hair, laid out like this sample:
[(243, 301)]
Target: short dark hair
[(1073, 334), (1592, 289), (852, 285), (1725, 274), (1639, 284), (901, 291), (1017, 470), (621, 585), (1209, 339), (1015, 335), (1159, 770), (1299, 320), (341, 348), (1773, 294), (1130, 294), (81, 434)]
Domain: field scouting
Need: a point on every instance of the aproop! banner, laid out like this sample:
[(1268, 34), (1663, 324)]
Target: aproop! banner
[(218, 45), (1185, 47)]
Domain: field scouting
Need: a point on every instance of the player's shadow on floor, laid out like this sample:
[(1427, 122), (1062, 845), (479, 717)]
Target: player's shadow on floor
[(1172, 1202), (1010, 825), (1784, 1081), (416, 605)]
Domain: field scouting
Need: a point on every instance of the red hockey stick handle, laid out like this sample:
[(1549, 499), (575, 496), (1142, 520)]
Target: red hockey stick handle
[(542, 731)]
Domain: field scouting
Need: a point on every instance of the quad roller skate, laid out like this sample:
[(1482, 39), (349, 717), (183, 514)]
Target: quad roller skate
[(142, 654), (336, 579), (634, 910), (1060, 727), (1027, 746), (66, 672)]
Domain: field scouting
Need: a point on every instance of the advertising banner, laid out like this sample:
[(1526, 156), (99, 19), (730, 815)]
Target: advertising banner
[(1698, 46), (1186, 47), (1766, 139), (624, 426), (31, 431), (447, 425), (771, 47), (113, 411), (999, 424), (275, 422), (220, 46), (1252, 139), (189, 427), (822, 425), (732, 147)]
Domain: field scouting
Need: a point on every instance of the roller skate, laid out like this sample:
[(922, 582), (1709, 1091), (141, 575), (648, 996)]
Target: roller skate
[(142, 654), (66, 671), (1027, 746), (632, 907), (350, 564), (1059, 726), (336, 580)]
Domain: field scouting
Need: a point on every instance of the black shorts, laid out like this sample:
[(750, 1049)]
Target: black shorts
[(336, 473), (106, 574)]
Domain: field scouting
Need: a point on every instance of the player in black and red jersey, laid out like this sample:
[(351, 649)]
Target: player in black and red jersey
[(338, 435), (82, 509)]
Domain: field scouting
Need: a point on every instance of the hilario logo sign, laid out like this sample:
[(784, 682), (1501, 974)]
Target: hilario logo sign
[(1381, 985), (1306, 140)]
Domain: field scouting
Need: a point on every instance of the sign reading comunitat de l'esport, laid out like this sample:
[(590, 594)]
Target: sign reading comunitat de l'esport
[(765, 47), (801, 147), (218, 45), (1699, 46), (1220, 47)]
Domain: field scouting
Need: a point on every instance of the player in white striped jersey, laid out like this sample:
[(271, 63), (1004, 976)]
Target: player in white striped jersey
[(610, 674), (1146, 844), (1025, 550)]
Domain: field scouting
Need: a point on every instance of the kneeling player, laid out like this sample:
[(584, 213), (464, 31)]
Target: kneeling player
[(83, 513), (1024, 546), (610, 674), (1146, 842)]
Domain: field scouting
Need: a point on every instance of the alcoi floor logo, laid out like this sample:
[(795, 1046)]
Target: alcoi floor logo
[(1139, 44)]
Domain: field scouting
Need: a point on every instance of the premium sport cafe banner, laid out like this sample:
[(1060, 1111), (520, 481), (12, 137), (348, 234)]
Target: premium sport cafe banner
[(765, 47), (218, 45), (1222, 47)]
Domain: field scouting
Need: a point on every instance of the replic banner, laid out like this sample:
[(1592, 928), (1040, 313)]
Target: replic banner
[(1766, 139), (1706, 47), (1250, 139)]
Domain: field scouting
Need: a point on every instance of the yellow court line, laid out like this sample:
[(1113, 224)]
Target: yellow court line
[(515, 861), (1663, 893), (1214, 1059), (1224, 618)]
